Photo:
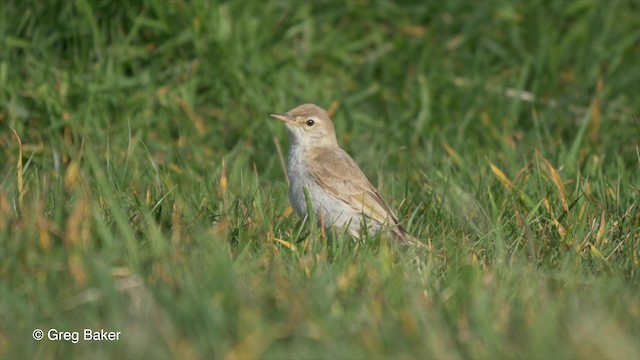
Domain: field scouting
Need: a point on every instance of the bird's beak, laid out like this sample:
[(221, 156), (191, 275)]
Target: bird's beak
[(283, 117)]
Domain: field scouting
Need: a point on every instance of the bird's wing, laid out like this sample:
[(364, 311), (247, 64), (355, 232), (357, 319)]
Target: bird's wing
[(341, 177)]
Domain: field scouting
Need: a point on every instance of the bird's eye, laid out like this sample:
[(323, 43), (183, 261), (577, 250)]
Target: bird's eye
[(310, 122)]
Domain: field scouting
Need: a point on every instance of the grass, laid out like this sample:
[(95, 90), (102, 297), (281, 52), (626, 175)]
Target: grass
[(142, 190)]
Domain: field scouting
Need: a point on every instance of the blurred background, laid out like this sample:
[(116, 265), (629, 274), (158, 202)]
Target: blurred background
[(143, 183)]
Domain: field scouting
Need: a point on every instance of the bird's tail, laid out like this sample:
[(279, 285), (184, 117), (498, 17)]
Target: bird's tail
[(403, 236)]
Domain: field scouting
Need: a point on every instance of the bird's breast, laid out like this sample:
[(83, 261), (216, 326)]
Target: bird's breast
[(299, 179)]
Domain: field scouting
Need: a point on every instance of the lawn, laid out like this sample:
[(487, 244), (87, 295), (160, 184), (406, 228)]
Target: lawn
[(143, 189)]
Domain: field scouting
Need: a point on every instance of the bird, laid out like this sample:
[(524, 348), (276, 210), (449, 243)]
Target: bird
[(321, 172)]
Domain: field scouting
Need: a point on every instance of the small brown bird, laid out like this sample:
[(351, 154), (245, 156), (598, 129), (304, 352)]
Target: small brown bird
[(339, 192)]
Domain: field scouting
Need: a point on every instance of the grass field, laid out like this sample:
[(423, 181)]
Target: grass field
[(143, 189)]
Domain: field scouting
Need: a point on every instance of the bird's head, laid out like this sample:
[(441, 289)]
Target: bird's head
[(309, 126)]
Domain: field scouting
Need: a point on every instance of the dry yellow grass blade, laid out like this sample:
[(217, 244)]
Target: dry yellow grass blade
[(413, 30), (193, 116), (502, 177), (76, 269), (600, 234), (78, 228), (148, 197), (222, 187), (558, 183), (19, 168), (176, 168), (4, 343), (582, 212), (597, 254), (323, 235), (561, 230), (454, 155), (45, 239), (176, 224), (33, 148), (347, 278), (68, 140), (5, 211), (333, 108), (285, 243), (286, 213), (43, 225), (71, 175)]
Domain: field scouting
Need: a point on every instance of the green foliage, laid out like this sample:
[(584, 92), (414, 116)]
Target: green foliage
[(143, 190)]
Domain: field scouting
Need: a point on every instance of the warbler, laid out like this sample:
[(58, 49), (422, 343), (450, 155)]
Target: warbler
[(339, 193)]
